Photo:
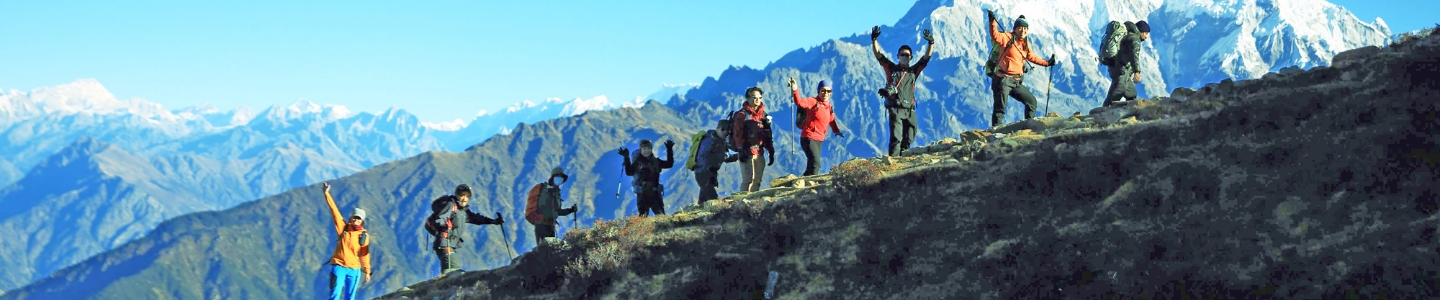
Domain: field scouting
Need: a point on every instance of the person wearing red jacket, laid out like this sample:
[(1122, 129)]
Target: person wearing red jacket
[(1016, 52), (819, 117), (751, 133)]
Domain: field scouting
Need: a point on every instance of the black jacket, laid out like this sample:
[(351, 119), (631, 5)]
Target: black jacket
[(646, 170), (454, 218)]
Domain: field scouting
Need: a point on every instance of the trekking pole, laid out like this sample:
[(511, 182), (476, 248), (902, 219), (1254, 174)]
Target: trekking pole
[(507, 238), (1050, 84)]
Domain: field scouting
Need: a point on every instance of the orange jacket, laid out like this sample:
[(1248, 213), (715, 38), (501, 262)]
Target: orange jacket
[(350, 252), (1012, 59)]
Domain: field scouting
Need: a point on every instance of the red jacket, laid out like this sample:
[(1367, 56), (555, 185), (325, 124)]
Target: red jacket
[(756, 114), (819, 117)]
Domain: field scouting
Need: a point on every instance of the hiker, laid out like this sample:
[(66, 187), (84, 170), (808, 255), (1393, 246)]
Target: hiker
[(1012, 68), (710, 152), (449, 215), (750, 131), (546, 208), (645, 168), (899, 90), (352, 251), (819, 117), (1125, 66)]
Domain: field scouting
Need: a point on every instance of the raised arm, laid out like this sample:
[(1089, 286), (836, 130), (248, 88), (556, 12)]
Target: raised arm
[(995, 33), (334, 211), (875, 46)]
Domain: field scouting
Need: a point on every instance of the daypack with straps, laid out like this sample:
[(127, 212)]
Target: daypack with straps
[(694, 149), (751, 131), (438, 206), (1115, 33), (534, 208)]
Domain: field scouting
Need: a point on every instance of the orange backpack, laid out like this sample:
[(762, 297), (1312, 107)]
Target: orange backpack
[(532, 206)]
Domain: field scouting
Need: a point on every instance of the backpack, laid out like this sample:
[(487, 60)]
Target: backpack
[(751, 131), (436, 206), (694, 149), (1110, 45), (992, 65), (533, 210)]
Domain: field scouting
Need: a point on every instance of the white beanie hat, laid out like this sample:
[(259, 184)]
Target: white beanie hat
[(358, 213)]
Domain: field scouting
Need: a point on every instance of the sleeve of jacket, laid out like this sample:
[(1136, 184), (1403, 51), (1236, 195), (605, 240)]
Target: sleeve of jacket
[(477, 219), (335, 214), (1030, 55), (365, 254), (995, 33), (1136, 44), (802, 102), (669, 161), (628, 165)]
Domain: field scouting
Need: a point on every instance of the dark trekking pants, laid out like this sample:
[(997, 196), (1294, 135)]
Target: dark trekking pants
[(1122, 85), (812, 155), (707, 182), (543, 231), (1010, 87), (447, 260), (650, 201), (902, 129)]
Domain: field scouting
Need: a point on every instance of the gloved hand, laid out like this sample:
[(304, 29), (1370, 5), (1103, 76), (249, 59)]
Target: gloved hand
[(625, 152), (792, 84), (874, 33), (928, 38), (669, 144), (574, 208), (499, 219), (839, 134), (990, 14), (325, 186), (772, 159), (1052, 61)]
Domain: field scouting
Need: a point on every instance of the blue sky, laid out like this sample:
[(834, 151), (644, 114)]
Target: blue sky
[(439, 60)]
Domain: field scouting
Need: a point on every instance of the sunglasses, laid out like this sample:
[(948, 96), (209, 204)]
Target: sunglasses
[(825, 91), (904, 54)]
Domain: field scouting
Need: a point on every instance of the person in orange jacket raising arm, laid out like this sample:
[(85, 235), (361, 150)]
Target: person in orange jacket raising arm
[(352, 251), (1010, 82)]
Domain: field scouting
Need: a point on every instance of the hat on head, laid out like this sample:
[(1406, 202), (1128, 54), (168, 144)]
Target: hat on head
[(1021, 22), (358, 213), (1144, 27), (823, 84), (558, 172)]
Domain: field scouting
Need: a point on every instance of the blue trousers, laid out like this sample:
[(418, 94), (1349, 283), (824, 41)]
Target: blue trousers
[(343, 282)]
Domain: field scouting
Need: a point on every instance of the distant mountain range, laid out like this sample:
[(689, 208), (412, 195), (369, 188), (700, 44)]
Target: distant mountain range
[(286, 147)]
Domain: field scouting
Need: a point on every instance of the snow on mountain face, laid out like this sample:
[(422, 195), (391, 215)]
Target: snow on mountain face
[(84, 96)]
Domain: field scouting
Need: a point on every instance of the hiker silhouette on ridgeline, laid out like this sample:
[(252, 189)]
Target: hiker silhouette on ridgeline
[(819, 117), (645, 167), (352, 251), (448, 216), (708, 151), (1120, 51), (542, 205), (1008, 78), (899, 90), (751, 137)]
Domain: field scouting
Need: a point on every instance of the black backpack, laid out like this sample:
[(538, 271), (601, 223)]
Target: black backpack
[(751, 131), (436, 207)]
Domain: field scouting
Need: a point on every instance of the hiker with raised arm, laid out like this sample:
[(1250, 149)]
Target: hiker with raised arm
[(542, 205), (351, 259), (645, 168), (899, 90), (447, 220), (819, 118), (1011, 67), (751, 137), (1120, 51)]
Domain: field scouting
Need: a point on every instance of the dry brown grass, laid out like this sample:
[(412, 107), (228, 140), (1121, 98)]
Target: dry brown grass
[(858, 172)]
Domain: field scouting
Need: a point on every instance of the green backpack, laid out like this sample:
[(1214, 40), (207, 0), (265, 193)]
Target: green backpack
[(1110, 45), (694, 149)]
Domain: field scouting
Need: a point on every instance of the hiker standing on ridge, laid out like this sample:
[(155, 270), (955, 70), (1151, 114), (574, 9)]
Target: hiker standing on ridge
[(1012, 66), (899, 91), (645, 168), (542, 207), (750, 130), (352, 251), (1125, 65), (450, 213), (819, 117), (710, 154)]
